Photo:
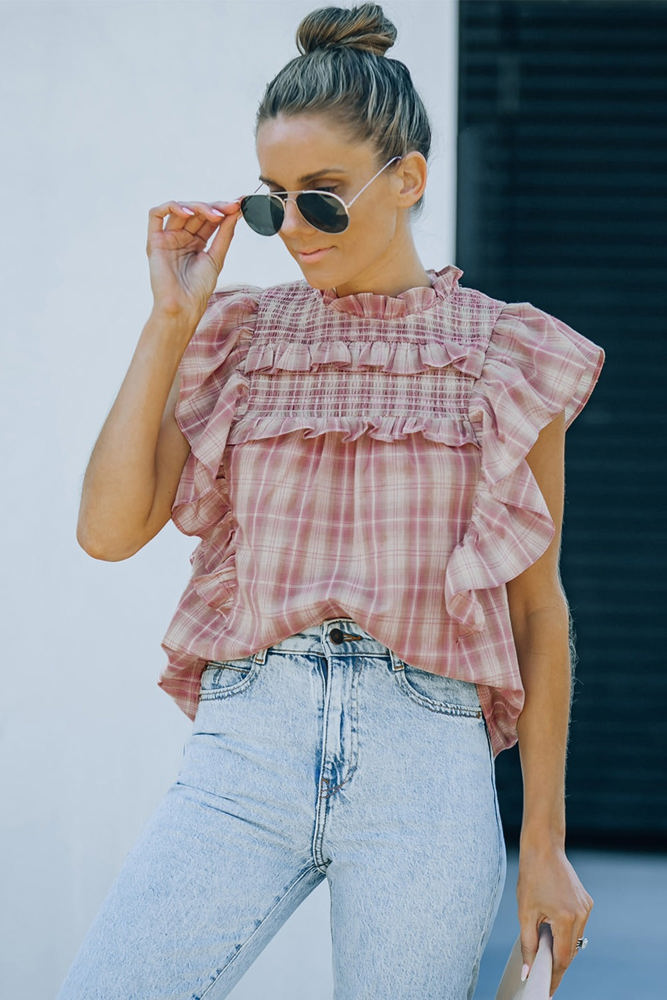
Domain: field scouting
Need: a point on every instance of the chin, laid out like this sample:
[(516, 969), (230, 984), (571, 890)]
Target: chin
[(320, 283), (321, 273), (316, 277)]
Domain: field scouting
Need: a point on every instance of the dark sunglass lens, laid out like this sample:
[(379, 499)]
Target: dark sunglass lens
[(263, 213), (323, 211)]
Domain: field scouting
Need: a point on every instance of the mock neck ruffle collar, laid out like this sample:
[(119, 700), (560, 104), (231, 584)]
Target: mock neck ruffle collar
[(413, 300)]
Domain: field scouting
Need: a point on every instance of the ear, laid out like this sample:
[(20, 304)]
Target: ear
[(413, 172)]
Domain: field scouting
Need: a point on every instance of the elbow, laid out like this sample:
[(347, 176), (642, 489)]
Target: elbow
[(553, 603), (100, 546), (536, 591)]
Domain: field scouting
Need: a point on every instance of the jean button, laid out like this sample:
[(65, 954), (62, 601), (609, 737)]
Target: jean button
[(336, 635)]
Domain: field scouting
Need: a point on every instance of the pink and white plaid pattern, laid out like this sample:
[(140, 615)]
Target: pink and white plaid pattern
[(364, 457)]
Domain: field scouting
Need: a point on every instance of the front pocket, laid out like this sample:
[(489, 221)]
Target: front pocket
[(223, 678), (437, 693)]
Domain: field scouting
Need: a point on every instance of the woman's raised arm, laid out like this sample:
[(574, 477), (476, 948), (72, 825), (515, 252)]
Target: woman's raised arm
[(133, 472)]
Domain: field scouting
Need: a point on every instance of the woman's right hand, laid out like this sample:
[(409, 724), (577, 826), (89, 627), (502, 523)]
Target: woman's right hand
[(135, 466), (183, 272)]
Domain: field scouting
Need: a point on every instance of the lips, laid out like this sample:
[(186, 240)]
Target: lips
[(311, 255)]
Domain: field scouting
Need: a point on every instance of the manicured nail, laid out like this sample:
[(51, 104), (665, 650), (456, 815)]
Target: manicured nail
[(525, 969), (188, 210), (215, 211)]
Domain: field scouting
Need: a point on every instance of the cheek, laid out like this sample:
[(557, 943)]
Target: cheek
[(371, 229)]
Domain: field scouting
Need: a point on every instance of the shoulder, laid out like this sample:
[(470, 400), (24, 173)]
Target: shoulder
[(229, 297), (541, 358), (289, 293), (252, 297)]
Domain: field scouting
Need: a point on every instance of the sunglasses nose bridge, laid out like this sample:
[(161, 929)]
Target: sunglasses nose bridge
[(292, 217)]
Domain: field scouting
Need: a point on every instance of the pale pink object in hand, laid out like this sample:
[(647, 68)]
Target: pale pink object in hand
[(538, 983)]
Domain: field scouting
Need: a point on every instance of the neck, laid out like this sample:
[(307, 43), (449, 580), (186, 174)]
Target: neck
[(397, 271)]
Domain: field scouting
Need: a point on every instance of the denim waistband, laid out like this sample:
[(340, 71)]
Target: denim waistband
[(334, 636)]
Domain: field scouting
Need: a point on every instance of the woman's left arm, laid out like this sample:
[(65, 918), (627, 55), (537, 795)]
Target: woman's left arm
[(548, 889)]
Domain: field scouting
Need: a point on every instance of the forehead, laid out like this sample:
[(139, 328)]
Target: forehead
[(291, 147)]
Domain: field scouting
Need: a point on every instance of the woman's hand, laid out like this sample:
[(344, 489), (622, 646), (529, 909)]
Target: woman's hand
[(549, 891), (183, 272)]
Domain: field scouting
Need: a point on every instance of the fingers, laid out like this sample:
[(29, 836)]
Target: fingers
[(220, 244), (196, 217), (529, 943), (566, 932), (160, 212), (550, 892), (563, 950)]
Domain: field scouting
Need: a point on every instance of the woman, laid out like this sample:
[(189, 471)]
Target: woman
[(373, 459)]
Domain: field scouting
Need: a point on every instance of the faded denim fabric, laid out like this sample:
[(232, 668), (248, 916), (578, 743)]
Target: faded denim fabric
[(325, 756)]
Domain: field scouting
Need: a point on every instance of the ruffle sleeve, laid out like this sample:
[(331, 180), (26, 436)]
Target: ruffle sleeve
[(211, 387), (536, 367)]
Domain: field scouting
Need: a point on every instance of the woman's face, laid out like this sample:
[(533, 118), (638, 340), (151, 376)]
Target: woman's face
[(313, 152)]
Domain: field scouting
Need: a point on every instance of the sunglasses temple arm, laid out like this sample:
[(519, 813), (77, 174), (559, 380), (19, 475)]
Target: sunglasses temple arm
[(393, 160), (240, 197)]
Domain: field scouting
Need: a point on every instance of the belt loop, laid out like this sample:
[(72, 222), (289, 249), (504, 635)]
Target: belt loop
[(396, 663), (260, 656)]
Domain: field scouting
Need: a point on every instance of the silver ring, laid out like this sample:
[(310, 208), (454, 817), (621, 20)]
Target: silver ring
[(582, 943)]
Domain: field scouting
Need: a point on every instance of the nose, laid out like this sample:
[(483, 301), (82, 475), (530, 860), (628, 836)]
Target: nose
[(293, 221)]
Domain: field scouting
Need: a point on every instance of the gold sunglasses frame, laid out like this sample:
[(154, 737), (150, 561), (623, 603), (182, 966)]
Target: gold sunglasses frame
[(284, 196)]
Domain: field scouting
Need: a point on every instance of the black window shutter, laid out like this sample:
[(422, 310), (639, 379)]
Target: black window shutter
[(562, 202)]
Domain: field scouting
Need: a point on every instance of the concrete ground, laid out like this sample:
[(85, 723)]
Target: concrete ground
[(626, 958)]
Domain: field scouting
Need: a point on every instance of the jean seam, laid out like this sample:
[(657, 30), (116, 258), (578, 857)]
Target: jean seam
[(500, 843), (237, 952), (213, 693), (487, 926), (460, 711), (353, 761)]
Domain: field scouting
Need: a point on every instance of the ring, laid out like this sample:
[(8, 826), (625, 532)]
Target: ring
[(582, 943)]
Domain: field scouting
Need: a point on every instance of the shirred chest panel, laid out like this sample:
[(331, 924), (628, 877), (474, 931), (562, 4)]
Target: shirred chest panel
[(343, 393), (307, 359)]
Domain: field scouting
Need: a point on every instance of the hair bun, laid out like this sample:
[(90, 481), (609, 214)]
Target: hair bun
[(364, 27)]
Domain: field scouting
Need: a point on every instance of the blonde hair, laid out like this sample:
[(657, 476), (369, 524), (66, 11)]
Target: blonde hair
[(343, 72)]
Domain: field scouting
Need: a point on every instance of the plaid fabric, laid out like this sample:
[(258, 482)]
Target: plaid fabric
[(364, 457)]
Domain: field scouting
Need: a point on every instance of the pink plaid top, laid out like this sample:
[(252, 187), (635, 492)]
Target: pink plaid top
[(364, 457)]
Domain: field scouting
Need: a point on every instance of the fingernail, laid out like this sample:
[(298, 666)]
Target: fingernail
[(525, 969), (188, 210), (215, 211)]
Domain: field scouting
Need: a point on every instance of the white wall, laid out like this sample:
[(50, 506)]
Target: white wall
[(109, 108)]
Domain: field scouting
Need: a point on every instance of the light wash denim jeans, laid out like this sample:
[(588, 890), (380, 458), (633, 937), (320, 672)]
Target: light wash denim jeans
[(324, 756)]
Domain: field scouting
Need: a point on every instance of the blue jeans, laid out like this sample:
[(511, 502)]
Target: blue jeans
[(324, 756)]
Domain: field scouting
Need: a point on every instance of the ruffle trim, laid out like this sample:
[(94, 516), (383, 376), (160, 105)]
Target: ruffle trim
[(212, 387), (202, 497), (536, 367), (452, 431), (386, 307), (393, 356), (218, 587)]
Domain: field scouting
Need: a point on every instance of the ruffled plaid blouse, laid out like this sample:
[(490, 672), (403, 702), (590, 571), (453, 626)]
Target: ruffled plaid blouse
[(364, 457)]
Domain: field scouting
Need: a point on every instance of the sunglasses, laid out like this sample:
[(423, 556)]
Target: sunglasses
[(265, 213)]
